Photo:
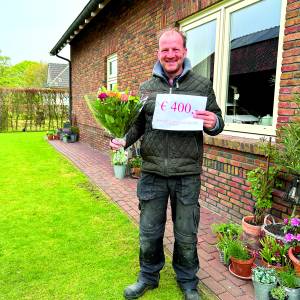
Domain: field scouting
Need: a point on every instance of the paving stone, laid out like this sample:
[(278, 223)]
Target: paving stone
[(232, 288), (202, 274), (215, 286), (215, 274), (235, 280), (215, 263), (228, 296), (207, 248)]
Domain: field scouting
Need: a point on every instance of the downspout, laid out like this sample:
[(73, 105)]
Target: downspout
[(70, 87)]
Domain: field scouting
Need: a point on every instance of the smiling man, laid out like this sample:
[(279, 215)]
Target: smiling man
[(171, 169)]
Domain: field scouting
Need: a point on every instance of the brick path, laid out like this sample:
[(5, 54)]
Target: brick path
[(216, 277)]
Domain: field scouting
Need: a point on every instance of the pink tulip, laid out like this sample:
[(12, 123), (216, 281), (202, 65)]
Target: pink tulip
[(124, 97)]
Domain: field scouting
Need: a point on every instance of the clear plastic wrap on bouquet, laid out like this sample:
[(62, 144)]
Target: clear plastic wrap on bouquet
[(115, 111)]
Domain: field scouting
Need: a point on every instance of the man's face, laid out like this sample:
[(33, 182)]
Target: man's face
[(171, 53)]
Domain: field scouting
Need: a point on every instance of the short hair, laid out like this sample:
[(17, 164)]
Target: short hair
[(173, 29)]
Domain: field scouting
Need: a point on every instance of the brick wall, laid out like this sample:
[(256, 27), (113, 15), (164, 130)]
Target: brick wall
[(290, 77), (130, 29)]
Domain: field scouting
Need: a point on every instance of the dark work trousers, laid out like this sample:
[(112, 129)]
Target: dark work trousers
[(153, 192)]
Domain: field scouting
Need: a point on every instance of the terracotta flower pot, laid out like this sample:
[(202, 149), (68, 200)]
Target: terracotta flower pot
[(277, 268), (242, 268), (254, 230), (296, 262)]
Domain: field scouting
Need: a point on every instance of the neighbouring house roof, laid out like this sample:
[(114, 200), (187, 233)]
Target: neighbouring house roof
[(58, 75), (255, 37), (87, 14)]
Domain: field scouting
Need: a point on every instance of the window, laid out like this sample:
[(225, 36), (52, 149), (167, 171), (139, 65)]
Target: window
[(112, 71), (236, 45)]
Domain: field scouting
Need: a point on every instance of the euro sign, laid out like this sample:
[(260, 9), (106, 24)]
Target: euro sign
[(163, 105)]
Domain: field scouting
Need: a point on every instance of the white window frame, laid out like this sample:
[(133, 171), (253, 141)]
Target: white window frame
[(221, 13), (111, 79)]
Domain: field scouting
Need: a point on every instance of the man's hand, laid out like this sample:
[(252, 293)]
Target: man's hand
[(209, 118), (116, 144)]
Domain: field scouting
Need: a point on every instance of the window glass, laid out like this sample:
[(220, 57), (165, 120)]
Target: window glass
[(254, 32), (112, 71), (201, 48), (113, 68)]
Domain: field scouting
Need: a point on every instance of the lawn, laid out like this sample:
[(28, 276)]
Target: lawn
[(60, 238)]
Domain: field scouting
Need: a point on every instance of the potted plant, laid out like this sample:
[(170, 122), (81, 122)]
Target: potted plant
[(74, 134), (287, 158), (226, 229), (50, 134), (263, 279), (278, 293), (119, 161), (287, 150), (291, 283), (222, 247), (66, 137), (274, 253), (292, 238), (262, 181), (135, 164), (241, 258)]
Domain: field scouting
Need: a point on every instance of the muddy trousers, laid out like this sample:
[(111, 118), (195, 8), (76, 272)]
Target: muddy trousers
[(153, 193)]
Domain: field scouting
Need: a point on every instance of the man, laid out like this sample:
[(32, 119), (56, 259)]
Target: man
[(171, 168)]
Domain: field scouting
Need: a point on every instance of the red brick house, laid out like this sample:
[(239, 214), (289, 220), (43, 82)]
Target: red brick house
[(250, 49)]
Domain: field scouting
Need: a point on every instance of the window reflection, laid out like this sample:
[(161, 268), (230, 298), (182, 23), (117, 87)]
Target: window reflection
[(201, 48), (253, 57)]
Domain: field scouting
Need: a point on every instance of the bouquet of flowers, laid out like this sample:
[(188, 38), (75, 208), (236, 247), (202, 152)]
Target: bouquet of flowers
[(115, 111)]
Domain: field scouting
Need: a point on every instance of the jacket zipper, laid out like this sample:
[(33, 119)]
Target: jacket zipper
[(167, 144)]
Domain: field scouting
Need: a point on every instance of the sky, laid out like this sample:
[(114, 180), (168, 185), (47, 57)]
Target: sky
[(29, 29)]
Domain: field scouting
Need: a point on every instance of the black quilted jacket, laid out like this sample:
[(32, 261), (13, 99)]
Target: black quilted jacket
[(172, 153)]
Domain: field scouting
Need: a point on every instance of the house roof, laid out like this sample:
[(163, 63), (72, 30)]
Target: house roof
[(58, 75), (86, 15), (255, 37)]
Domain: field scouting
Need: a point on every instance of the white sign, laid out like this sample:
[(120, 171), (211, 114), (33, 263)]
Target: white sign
[(174, 112)]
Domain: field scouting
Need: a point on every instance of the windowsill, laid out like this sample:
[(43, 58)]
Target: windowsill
[(242, 144)]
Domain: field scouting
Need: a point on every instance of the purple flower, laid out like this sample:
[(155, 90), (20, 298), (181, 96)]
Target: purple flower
[(289, 237), (295, 222), (102, 96), (286, 221), (298, 237)]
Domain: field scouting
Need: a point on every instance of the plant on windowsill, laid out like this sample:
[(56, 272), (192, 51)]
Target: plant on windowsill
[(263, 279)]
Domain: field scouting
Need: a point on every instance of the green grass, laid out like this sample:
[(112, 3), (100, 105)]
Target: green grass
[(60, 238)]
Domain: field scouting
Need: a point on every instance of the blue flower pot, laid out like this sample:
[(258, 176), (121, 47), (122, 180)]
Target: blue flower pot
[(119, 171)]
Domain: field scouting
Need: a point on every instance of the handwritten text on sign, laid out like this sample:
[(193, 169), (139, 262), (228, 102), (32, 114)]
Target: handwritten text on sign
[(174, 112)]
